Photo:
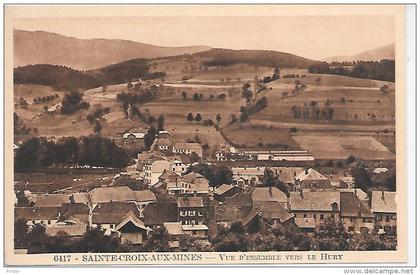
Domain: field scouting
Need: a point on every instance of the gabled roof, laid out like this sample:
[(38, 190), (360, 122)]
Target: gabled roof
[(232, 213), (190, 202), (191, 177), (352, 206), (144, 196), (258, 171), (287, 174), (159, 212), (81, 197), (112, 212), (169, 175), (273, 210), (173, 228), (114, 194), (268, 194), (37, 213), (188, 145), (383, 202), (135, 135), (240, 199), (130, 217), (51, 200), (223, 189), (310, 174), (76, 212), (315, 201), (71, 230)]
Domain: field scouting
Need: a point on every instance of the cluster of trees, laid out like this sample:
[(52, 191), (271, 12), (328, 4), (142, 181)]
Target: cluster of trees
[(22, 103), (367, 181), (136, 97), (251, 109), (19, 128), (275, 76), (380, 70), (313, 111), (93, 150), (96, 117), (191, 118), (216, 174), (73, 102), (43, 99), (59, 77), (154, 75)]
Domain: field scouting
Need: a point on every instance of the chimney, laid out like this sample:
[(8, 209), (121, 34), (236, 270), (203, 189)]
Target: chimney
[(383, 194), (301, 193), (306, 171), (270, 191), (195, 193), (355, 191)]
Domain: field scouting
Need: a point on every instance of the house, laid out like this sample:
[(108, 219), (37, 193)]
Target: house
[(75, 213), (133, 140), (178, 166), (38, 215), (81, 197), (51, 200), (240, 200), (273, 213), (267, 194), (247, 176), (287, 175), (153, 169), (314, 207), (108, 215), (175, 233), (188, 148), (384, 208), (157, 213), (225, 190), (111, 194), (346, 182), (380, 170), (198, 230), (131, 229), (171, 181), (164, 141), (311, 179), (194, 183), (190, 210), (355, 215), (71, 229), (143, 198), (306, 224)]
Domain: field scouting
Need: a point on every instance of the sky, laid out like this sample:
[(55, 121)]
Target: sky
[(314, 37)]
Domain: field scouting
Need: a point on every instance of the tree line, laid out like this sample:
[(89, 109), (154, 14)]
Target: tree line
[(93, 150), (380, 70)]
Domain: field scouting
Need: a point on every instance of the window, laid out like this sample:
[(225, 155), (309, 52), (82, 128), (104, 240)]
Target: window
[(314, 216), (48, 222), (333, 216), (304, 215), (351, 228), (387, 218), (321, 216), (379, 218)]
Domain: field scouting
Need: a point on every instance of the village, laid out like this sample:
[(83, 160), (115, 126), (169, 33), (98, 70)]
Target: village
[(258, 190)]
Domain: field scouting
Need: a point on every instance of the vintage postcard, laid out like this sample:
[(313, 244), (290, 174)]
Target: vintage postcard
[(205, 134)]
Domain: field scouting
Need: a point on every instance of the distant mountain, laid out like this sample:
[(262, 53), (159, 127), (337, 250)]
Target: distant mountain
[(226, 57), (39, 47), (385, 52)]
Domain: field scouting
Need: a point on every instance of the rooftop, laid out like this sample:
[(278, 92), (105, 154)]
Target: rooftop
[(268, 194), (190, 202), (315, 201), (114, 194), (383, 202)]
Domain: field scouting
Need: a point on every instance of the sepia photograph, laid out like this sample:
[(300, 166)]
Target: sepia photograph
[(194, 131)]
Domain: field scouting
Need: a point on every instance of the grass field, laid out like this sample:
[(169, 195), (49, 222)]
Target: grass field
[(341, 146)]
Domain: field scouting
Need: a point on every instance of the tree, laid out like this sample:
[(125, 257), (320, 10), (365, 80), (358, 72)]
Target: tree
[(218, 117), (190, 117), (98, 127), (246, 92), (361, 177), (184, 95), (233, 118), (150, 137), (215, 174), (161, 122), (158, 241), (198, 117), (129, 85), (21, 228)]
